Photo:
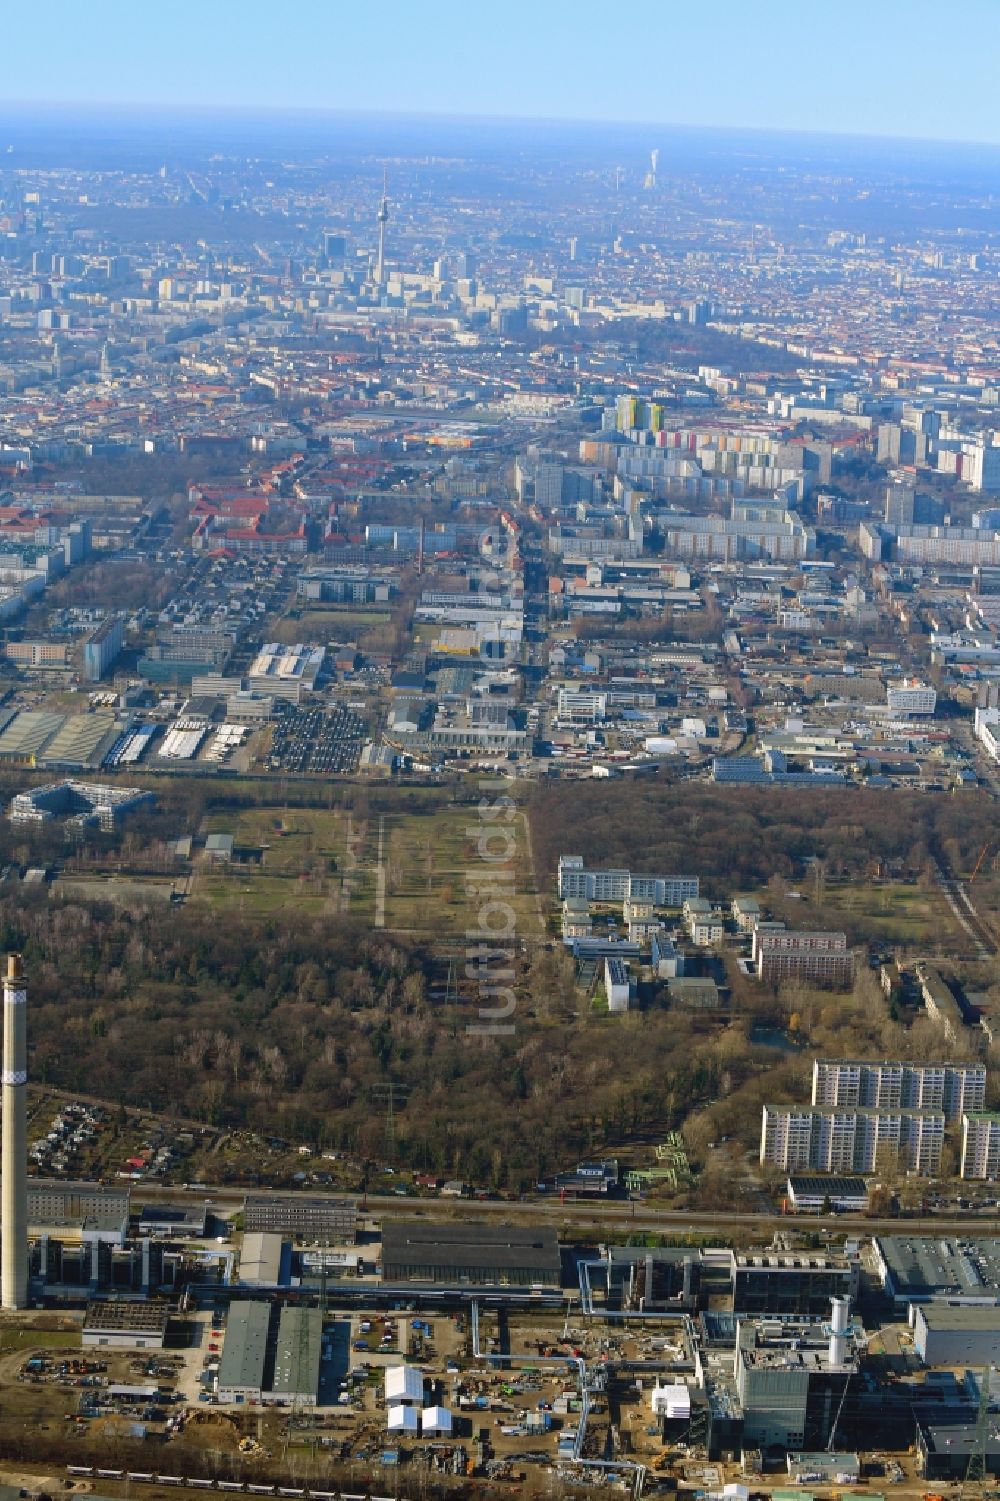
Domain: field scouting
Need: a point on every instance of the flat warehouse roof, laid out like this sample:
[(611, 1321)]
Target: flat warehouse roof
[(296, 1360), (834, 1187), (447, 1245), (925, 1265), (260, 1258), (960, 1316), (242, 1363)]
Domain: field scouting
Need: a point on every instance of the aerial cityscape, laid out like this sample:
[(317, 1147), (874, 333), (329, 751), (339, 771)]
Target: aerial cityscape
[(499, 770)]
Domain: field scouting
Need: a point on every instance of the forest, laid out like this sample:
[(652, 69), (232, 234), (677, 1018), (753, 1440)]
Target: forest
[(737, 839), (295, 1024)]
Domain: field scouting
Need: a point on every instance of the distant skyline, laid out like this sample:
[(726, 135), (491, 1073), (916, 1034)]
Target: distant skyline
[(905, 68)]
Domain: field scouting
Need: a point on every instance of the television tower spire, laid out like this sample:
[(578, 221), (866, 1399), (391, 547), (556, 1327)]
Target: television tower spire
[(383, 219)]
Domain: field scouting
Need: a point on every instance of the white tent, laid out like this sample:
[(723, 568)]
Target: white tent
[(436, 1420), (404, 1383), (403, 1420)]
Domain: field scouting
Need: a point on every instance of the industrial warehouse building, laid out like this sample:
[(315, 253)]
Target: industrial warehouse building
[(296, 1358), (918, 1268), (241, 1369), (956, 1334), (258, 1365), (307, 1219), (125, 1326), (496, 1254), (263, 1260)]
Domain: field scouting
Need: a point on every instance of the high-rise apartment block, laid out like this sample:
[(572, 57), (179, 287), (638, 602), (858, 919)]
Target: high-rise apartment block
[(981, 1145), (953, 1088), (103, 648), (829, 1140)]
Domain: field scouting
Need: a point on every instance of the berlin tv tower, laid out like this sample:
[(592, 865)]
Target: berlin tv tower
[(383, 219)]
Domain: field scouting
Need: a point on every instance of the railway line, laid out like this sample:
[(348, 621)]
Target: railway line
[(240, 1487), (617, 1213)]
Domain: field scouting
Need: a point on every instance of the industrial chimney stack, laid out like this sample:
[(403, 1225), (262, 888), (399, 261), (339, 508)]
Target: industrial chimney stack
[(14, 1227)]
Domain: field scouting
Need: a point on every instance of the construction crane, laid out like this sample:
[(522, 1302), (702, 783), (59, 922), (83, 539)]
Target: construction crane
[(982, 856)]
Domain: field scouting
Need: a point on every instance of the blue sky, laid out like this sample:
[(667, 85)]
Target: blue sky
[(883, 67)]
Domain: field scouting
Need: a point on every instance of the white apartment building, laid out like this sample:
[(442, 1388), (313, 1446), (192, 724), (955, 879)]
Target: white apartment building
[(981, 466), (981, 1145), (619, 886), (987, 731), (956, 1089), (821, 1139), (911, 697)]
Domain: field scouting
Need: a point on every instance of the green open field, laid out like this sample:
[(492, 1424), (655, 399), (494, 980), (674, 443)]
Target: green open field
[(313, 860), (431, 859), (898, 913), (29, 1338), (325, 861), (341, 624)]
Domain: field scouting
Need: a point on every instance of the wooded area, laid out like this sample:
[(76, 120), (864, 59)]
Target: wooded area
[(294, 1024)]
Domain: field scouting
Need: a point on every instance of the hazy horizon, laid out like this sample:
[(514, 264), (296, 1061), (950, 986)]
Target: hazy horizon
[(898, 70)]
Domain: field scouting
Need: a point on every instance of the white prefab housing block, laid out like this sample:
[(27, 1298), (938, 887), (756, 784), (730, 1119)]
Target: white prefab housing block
[(831, 1140), (887, 1084), (987, 731), (981, 1145), (404, 1384)]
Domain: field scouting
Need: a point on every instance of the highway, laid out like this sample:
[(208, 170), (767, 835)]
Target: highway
[(582, 1216)]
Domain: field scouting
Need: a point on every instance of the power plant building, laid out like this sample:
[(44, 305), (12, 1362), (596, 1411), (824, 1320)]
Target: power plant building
[(792, 1379), (81, 1213), (799, 1283), (470, 1253)]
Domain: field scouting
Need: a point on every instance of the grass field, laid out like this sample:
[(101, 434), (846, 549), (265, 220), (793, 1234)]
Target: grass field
[(325, 861), (898, 913), (322, 625), (28, 1338), (432, 859)]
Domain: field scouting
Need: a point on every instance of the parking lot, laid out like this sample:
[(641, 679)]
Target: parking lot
[(322, 741)]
